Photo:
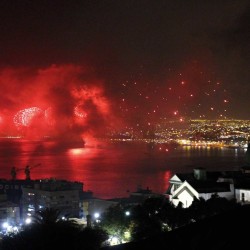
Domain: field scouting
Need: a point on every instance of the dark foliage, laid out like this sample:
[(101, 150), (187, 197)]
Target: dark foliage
[(48, 232), (224, 231), (145, 223)]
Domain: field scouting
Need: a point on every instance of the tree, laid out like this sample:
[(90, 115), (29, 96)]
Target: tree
[(49, 232), (149, 218), (47, 216), (116, 223)]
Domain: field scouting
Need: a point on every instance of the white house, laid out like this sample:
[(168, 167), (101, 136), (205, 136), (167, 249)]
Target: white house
[(185, 194), (184, 188)]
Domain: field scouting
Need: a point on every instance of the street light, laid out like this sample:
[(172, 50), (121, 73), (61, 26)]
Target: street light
[(114, 240), (28, 221), (5, 224), (127, 213), (97, 216)]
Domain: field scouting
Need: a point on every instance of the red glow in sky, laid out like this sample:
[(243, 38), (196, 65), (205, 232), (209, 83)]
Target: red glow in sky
[(53, 101), (72, 98), (153, 56)]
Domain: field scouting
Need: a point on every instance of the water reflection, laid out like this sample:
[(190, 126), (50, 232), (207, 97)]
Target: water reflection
[(110, 169)]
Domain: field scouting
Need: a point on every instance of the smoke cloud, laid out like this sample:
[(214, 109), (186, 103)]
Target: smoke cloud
[(54, 101)]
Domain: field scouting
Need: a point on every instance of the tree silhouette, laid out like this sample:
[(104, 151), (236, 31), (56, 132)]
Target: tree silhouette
[(49, 232), (115, 222), (47, 216), (146, 221)]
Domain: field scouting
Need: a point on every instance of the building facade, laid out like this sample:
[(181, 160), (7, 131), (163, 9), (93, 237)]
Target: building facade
[(50, 193), (185, 188)]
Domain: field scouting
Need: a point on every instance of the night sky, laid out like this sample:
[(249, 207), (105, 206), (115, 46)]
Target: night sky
[(90, 65)]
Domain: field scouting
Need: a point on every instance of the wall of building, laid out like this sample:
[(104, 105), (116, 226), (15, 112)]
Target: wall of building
[(242, 195), (67, 201), (228, 195), (185, 198), (9, 213)]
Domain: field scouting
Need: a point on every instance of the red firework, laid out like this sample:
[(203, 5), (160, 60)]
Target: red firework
[(24, 118), (79, 112)]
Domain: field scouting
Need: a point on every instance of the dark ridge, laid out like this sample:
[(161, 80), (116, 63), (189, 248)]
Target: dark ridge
[(221, 232)]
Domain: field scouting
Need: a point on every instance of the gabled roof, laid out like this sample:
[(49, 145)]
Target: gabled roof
[(175, 178), (185, 186), (210, 183)]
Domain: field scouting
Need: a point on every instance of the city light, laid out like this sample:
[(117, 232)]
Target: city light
[(114, 240), (5, 225), (96, 215), (127, 213), (28, 221)]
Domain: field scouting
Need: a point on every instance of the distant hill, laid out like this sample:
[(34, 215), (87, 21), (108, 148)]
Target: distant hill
[(221, 232)]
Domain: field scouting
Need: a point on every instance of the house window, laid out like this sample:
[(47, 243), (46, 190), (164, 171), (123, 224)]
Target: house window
[(243, 197)]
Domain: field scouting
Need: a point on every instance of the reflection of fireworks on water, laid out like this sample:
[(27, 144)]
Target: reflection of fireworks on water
[(26, 116)]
